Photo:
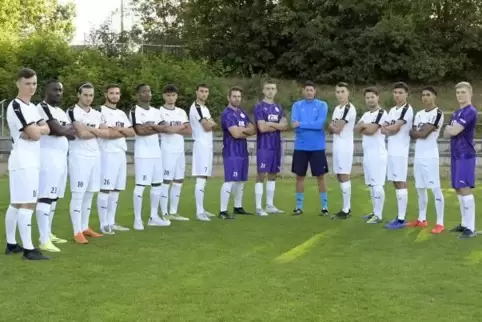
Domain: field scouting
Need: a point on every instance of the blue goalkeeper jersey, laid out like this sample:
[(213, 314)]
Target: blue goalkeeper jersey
[(310, 135)]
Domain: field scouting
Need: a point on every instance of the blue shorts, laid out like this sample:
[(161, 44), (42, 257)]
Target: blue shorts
[(316, 160)]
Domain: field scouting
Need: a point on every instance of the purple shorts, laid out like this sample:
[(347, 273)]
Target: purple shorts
[(236, 169), (462, 172), (268, 161)]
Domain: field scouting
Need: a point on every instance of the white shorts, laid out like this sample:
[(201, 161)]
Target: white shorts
[(113, 171), (397, 168), (84, 174), (374, 170), (148, 171), (174, 165), (342, 162), (202, 160), (53, 174), (426, 173), (23, 185)]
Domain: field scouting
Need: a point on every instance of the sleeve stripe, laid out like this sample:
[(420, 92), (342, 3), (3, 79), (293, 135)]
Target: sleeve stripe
[(345, 112), (46, 109), (379, 116), (199, 111), (70, 111), (404, 111), (133, 118), (437, 118), (18, 112)]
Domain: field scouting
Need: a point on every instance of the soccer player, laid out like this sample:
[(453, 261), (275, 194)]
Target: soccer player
[(308, 118), (84, 161), (147, 157), (425, 132), (172, 150), (53, 163), (397, 128), (202, 126), (374, 152), (461, 132), (341, 127), (236, 128), (270, 121), (26, 126), (113, 160)]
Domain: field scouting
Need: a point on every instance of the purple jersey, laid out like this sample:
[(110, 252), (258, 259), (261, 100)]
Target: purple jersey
[(269, 113), (234, 147), (462, 146)]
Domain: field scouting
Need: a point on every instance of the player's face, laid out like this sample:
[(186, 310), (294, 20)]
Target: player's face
[(428, 98), (55, 92), (86, 97), (202, 94), (371, 100), (144, 95), (464, 95), (113, 95), (27, 86), (400, 96), (341, 94), (309, 92), (235, 98), (170, 98), (269, 91)]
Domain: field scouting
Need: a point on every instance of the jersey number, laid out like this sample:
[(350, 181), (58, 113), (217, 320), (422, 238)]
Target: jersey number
[(34, 194), (262, 166), (53, 190), (80, 184), (235, 174), (166, 172), (106, 182)]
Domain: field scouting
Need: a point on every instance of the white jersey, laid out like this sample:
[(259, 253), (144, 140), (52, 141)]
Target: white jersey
[(25, 154), (198, 112), (173, 142), (399, 144), (114, 118), (146, 146), (343, 142), (91, 118), (427, 148), (52, 142), (374, 144)]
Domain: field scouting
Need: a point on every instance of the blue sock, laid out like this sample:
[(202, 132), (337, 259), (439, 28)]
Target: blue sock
[(324, 200), (300, 197)]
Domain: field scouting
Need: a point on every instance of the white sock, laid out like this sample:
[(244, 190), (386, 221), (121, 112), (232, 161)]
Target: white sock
[(402, 200), (469, 208), (346, 194), (137, 197), (225, 194), (43, 214), (258, 194), (11, 218), (238, 194), (102, 208), (372, 197), (25, 227), (270, 188), (112, 207), (86, 208), (174, 197), (463, 221), (53, 206), (155, 199), (379, 196), (439, 205), (76, 211), (422, 204), (165, 198), (199, 195)]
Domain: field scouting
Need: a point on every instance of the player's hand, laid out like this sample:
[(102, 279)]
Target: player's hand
[(295, 124), (24, 136)]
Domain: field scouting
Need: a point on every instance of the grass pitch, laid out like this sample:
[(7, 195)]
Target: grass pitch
[(279, 268)]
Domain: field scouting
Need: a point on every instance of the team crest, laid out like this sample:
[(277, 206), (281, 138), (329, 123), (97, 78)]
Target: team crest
[(276, 109), (242, 115)]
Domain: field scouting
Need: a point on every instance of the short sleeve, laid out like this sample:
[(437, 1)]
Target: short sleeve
[(45, 112), (351, 115), (127, 122), (281, 112), (258, 114), (246, 117), (207, 114), (437, 119), (75, 115), (406, 115), (17, 118), (229, 120), (184, 117), (109, 121), (381, 117), (136, 118), (469, 117)]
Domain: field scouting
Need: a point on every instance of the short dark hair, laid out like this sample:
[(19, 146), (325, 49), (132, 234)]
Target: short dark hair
[(51, 81), (371, 89), (235, 89), (309, 84), (431, 89), (138, 87), (402, 85), (202, 85), (110, 86), (342, 84), (25, 73), (269, 81), (170, 89), (84, 86)]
